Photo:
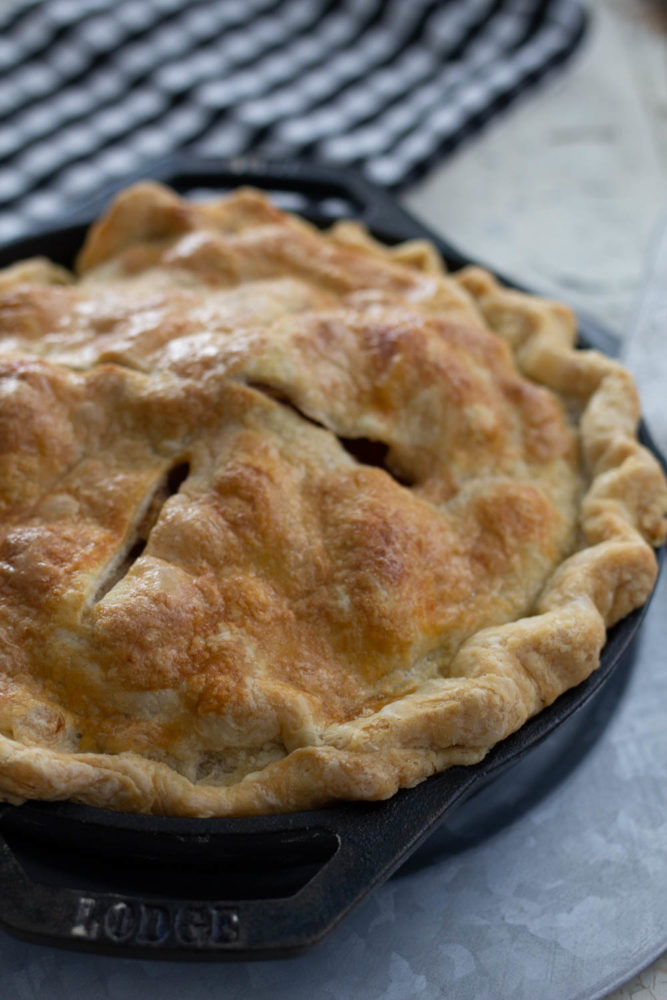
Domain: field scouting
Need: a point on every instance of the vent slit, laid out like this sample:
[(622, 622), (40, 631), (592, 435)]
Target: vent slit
[(363, 450), (176, 477), (170, 484)]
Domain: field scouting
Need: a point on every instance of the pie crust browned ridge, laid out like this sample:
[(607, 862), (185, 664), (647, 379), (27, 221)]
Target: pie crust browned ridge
[(289, 516)]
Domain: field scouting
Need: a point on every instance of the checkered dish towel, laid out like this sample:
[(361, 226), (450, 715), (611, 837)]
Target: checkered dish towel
[(93, 89)]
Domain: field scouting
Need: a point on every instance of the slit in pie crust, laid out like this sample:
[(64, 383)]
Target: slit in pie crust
[(291, 516)]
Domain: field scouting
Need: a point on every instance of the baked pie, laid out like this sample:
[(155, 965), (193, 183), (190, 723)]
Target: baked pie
[(289, 516)]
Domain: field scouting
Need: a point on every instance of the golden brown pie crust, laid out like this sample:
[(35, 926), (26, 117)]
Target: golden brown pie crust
[(291, 516)]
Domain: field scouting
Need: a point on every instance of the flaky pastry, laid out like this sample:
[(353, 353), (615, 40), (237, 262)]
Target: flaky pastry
[(291, 516)]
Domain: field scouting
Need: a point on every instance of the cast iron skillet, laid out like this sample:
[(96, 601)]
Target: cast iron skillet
[(253, 887)]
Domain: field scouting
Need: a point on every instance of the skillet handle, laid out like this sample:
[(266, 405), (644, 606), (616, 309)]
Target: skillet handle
[(315, 183), (152, 927), (373, 839)]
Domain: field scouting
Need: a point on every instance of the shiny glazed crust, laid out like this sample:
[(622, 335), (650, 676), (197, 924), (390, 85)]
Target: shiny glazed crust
[(289, 516)]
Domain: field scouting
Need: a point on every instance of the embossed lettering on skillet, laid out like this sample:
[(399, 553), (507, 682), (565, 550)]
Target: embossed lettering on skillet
[(120, 921)]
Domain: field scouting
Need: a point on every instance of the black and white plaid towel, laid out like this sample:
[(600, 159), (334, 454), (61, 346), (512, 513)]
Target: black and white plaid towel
[(93, 89)]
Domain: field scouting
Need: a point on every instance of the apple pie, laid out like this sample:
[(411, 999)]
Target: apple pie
[(289, 516)]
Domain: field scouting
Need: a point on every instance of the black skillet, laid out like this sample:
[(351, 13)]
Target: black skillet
[(253, 887)]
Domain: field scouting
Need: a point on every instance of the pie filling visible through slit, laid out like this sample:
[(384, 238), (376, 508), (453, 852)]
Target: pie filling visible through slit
[(288, 517)]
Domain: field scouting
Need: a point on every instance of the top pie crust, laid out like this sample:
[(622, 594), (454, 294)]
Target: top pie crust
[(291, 516)]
